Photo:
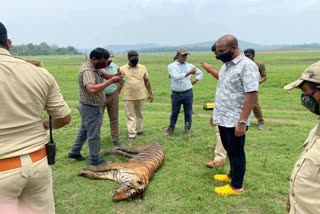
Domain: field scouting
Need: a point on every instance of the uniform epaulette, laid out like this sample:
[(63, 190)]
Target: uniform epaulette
[(33, 62)]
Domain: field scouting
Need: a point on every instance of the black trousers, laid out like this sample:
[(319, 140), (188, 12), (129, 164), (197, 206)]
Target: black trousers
[(235, 150)]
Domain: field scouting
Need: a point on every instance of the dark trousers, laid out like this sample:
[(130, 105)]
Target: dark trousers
[(178, 99), (91, 122), (235, 150)]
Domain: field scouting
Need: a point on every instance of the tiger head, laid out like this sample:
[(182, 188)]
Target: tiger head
[(129, 191)]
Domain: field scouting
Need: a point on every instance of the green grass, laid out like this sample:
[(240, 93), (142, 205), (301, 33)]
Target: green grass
[(183, 184)]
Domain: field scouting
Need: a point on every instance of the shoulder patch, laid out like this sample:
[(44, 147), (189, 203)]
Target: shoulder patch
[(36, 63), (33, 62)]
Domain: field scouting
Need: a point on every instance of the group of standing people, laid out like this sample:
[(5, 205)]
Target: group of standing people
[(27, 90), (100, 82)]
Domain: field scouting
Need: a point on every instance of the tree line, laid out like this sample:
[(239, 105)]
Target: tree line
[(42, 49)]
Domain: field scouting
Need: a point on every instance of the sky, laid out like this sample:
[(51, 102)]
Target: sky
[(99, 23)]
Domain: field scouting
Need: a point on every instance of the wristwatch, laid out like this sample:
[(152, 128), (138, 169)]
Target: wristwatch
[(242, 123)]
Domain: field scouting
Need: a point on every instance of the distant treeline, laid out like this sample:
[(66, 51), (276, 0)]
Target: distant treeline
[(304, 46), (172, 49), (41, 49), (242, 47)]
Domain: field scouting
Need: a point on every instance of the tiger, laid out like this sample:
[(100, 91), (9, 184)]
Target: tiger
[(134, 175)]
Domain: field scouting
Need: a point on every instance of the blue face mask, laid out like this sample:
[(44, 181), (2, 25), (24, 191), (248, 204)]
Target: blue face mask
[(225, 57), (308, 101)]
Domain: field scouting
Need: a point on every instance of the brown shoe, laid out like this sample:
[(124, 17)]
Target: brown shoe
[(215, 163)]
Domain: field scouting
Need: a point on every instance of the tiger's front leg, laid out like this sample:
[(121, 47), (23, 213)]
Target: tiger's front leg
[(105, 174)]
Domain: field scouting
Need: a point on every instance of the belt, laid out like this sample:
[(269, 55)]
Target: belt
[(182, 92), (15, 162)]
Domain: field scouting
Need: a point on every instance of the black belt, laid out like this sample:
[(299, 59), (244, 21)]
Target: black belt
[(182, 92)]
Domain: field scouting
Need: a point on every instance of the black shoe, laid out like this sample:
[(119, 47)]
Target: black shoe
[(98, 163), (141, 133), (116, 143), (78, 157), (130, 139), (168, 132)]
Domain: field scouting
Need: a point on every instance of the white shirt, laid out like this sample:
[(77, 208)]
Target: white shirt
[(177, 72)]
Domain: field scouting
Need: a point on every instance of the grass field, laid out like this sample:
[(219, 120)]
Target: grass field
[(184, 184)]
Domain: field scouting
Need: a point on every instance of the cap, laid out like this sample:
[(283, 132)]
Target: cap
[(311, 74), (111, 55), (132, 53), (183, 51)]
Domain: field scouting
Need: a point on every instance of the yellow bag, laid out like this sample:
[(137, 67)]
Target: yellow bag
[(208, 106)]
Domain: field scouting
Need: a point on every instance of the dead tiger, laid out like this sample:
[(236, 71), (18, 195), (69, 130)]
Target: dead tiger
[(133, 175)]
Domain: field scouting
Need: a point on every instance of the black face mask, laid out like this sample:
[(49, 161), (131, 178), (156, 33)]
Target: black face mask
[(100, 65), (134, 61), (310, 103), (225, 57)]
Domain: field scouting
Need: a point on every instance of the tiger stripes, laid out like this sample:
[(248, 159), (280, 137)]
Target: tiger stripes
[(134, 175)]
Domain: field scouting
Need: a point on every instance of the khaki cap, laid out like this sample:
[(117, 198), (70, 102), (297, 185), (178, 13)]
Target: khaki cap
[(183, 51), (311, 74)]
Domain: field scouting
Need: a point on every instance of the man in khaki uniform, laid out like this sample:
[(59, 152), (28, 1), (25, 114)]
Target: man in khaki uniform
[(26, 91), (250, 53), (137, 81), (304, 196)]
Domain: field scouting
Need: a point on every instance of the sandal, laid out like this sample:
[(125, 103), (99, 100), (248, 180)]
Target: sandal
[(227, 190), (215, 163), (222, 178)]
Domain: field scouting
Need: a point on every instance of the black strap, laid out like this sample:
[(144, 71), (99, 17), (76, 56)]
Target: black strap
[(50, 127), (51, 146)]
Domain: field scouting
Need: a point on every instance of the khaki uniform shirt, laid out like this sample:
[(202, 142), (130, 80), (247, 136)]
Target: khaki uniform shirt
[(305, 178), (134, 87), (89, 75), (26, 91), (262, 68)]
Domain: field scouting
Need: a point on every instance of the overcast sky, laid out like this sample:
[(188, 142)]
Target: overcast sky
[(86, 24)]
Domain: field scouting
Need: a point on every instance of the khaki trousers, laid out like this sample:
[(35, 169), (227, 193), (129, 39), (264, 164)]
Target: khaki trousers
[(112, 106), (27, 189), (219, 151), (257, 111), (134, 113)]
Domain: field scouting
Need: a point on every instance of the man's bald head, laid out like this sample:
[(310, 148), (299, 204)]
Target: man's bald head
[(227, 48), (228, 40)]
